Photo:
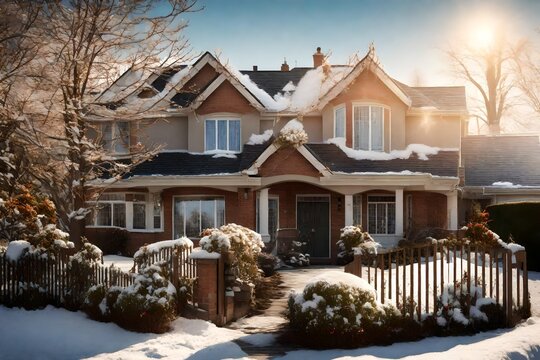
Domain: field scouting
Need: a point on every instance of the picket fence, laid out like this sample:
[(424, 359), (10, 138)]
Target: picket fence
[(414, 278)]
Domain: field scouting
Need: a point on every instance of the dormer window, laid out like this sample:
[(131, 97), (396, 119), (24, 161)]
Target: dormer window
[(222, 135), (115, 137), (368, 127)]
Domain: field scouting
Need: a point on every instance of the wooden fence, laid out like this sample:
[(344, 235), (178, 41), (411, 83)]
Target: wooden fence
[(415, 278)]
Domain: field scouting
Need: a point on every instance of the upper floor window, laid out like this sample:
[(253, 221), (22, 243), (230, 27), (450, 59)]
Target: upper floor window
[(222, 135), (339, 122), (116, 137), (368, 127)]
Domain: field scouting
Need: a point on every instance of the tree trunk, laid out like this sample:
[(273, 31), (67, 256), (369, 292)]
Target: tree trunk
[(494, 129)]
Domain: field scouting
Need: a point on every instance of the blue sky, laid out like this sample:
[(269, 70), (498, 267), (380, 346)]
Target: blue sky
[(408, 35)]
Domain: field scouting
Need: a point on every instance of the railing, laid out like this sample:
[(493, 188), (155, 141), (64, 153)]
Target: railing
[(414, 278)]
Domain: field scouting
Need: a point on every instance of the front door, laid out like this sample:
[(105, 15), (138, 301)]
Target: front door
[(313, 222)]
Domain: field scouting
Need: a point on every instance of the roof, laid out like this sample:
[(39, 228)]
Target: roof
[(446, 98), (445, 163), (273, 81), (508, 158)]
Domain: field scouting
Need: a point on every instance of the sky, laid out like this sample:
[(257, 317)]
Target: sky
[(409, 35)]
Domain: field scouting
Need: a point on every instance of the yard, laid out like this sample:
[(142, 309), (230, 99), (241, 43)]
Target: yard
[(59, 334)]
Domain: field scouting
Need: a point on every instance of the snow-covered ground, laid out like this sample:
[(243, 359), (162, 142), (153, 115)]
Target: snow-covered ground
[(59, 334), (122, 262)]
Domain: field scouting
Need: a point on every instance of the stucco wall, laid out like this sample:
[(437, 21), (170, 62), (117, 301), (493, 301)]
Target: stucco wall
[(433, 130), (172, 133)]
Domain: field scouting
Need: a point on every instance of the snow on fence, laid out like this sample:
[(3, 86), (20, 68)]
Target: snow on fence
[(49, 278), (177, 258), (414, 278)]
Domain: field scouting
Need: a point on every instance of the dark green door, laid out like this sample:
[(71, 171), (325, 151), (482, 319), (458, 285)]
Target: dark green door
[(313, 222)]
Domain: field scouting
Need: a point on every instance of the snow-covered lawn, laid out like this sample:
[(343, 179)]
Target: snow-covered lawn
[(123, 262), (59, 334)]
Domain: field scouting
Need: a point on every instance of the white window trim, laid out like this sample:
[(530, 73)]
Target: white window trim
[(380, 202), (336, 108), (226, 118), (114, 136), (274, 197), (370, 104), (129, 214), (196, 197)]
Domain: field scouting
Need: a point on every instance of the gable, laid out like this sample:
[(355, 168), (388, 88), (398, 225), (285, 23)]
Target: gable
[(367, 86), (200, 80), (287, 161), (226, 98)]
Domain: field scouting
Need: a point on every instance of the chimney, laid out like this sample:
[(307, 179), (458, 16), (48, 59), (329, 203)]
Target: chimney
[(318, 58), (255, 68), (284, 66)]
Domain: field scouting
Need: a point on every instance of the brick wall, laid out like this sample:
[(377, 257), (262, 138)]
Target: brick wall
[(428, 210), (287, 161), (225, 99)]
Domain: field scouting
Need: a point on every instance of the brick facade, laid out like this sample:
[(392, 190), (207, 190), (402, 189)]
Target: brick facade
[(287, 161), (226, 99)]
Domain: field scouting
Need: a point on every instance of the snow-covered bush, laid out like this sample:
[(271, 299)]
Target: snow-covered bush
[(292, 134), (148, 305), (352, 239), (143, 256), (478, 232), (267, 263), (296, 255), (338, 309), (242, 245)]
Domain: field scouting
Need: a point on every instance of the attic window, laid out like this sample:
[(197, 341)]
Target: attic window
[(368, 127), (146, 94), (115, 137), (222, 135)]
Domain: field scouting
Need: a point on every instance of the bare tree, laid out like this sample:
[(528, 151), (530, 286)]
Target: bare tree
[(83, 45), (528, 74), (488, 69)]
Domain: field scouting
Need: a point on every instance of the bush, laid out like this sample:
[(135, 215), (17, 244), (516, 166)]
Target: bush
[(351, 238), (336, 310), (267, 263), (242, 246), (148, 305), (296, 255)]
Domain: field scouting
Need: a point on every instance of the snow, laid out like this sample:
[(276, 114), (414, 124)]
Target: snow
[(342, 278), (258, 139), (292, 124), (422, 151), (505, 184), (124, 263), (157, 246), (16, 249), (224, 155), (199, 253)]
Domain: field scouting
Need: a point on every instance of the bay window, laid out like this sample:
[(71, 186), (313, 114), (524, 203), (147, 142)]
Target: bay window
[(368, 127), (222, 135), (381, 214), (193, 215)]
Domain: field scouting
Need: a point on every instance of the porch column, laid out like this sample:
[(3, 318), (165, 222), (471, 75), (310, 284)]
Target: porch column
[(399, 212), (263, 214), (348, 210), (452, 210)]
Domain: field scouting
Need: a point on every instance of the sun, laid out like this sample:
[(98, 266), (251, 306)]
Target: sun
[(483, 36)]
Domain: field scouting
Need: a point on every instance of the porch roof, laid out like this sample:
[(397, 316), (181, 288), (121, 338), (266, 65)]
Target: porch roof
[(445, 163)]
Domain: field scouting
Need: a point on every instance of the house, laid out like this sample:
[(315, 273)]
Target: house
[(500, 169), (362, 164)]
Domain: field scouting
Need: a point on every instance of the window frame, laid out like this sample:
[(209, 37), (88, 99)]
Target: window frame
[(228, 119), (368, 202), (199, 198), (370, 105), (336, 108), (115, 136), (257, 219)]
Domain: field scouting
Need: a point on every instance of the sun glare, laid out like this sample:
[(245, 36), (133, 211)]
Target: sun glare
[(483, 35)]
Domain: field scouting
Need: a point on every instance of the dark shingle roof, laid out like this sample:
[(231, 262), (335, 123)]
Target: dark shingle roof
[(184, 163), (489, 159), (273, 81), (445, 163), (448, 98)]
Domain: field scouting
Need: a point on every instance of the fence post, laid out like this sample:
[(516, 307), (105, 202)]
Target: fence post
[(508, 294)]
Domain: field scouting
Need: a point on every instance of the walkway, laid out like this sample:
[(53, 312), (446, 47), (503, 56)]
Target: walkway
[(265, 328)]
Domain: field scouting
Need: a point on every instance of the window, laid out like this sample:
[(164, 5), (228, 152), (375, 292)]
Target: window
[(368, 127), (339, 122), (273, 216), (116, 137), (139, 211), (382, 214), (357, 209), (222, 135), (111, 210), (157, 212), (192, 215)]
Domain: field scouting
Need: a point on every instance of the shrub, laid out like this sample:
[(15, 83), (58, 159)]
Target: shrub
[(296, 256), (243, 246), (351, 238), (267, 263), (337, 309), (292, 134)]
